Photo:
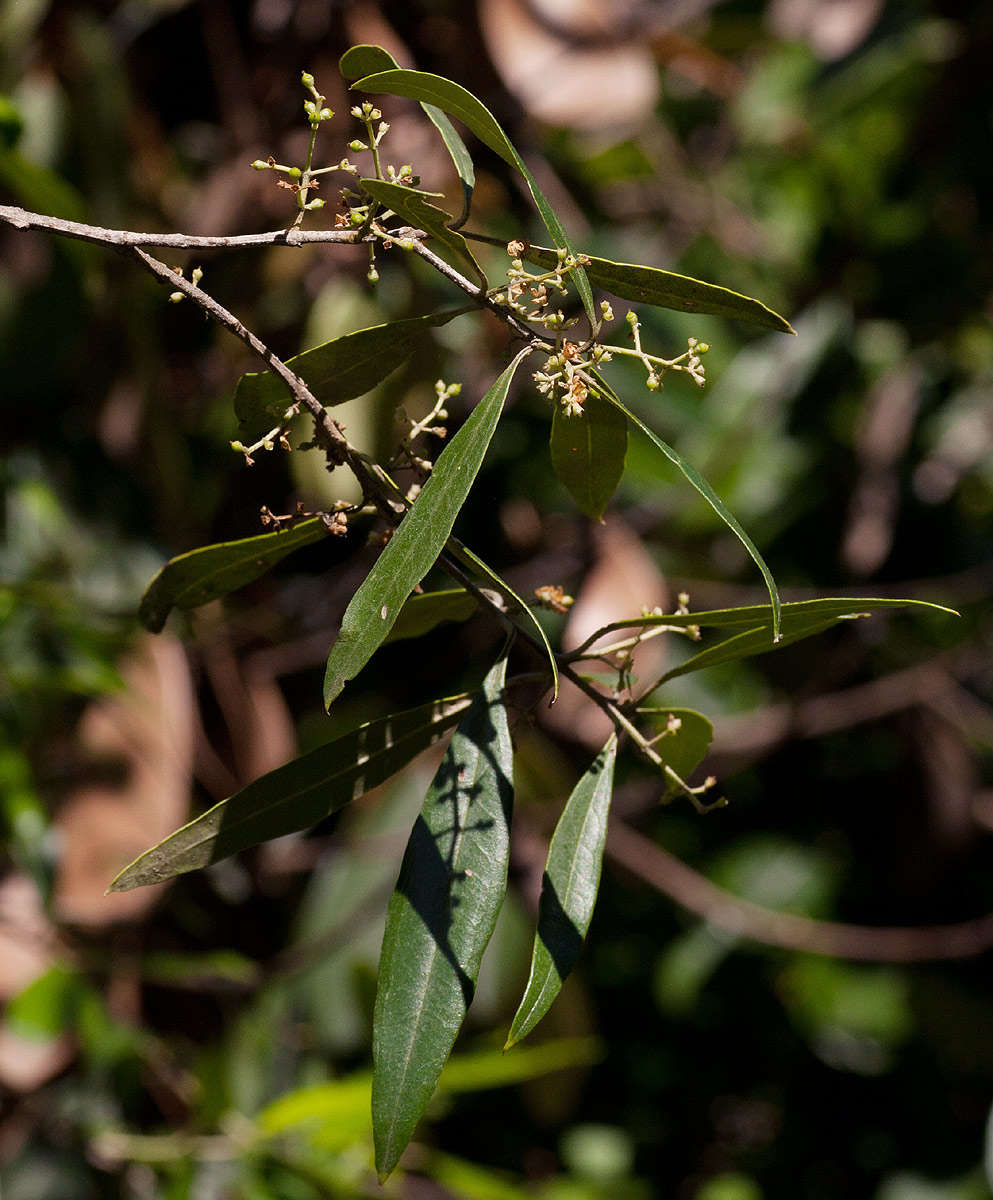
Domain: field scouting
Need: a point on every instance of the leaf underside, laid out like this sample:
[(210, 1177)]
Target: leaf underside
[(666, 289), (202, 575), (588, 453), (451, 886), (336, 371)]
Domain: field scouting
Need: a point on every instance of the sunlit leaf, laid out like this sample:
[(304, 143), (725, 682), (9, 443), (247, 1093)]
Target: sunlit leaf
[(793, 613), (422, 613), (682, 738), (347, 1100), (417, 210), (708, 493), (417, 542), (47, 1006), (298, 795), (336, 371), (457, 102), (196, 578), (451, 886), (588, 453), (665, 289), (568, 891)]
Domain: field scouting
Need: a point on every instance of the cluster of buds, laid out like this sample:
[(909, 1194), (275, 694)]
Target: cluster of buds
[(195, 277), (302, 181), (528, 294), (431, 424), (689, 362), (314, 107), (564, 377)]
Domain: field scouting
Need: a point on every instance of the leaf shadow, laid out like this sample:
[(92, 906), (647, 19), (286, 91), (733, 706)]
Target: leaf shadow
[(432, 878), (557, 931)]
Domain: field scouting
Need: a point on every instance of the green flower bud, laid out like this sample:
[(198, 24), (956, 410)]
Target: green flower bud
[(307, 79), (259, 165), (326, 114), (294, 172), (357, 145)]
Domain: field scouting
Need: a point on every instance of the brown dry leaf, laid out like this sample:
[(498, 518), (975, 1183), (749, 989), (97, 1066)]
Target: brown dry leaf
[(28, 1063), (28, 942), (564, 84), (833, 28), (149, 728), (624, 579), (28, 947)]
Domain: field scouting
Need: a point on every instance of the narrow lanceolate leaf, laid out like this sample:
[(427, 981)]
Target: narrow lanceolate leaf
[(423, 613), (200, 576), (460, 159), (457, 102), (794, 614), (588, 453), (514, 603), (747, 644), (568, 891), (708, 493), (683, 737), (451, 886), (299, 794), (417, 542), (335, 371), (415, 208), (665, 289)]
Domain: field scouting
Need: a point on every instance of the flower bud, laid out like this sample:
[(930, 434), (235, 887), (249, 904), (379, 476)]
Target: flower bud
[(307, 79), (259, 165), (357, 145)]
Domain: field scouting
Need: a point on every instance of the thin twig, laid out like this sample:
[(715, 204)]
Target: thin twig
[(20, 218), (866, 943)]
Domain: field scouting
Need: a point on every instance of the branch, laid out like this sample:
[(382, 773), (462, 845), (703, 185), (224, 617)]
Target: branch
[(20, 218), (865, 943)]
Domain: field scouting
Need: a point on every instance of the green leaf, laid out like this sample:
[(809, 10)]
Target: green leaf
[(368, 60), (415, 208), (451, 886), (422, 613), (417, 542), (515, 603), (335, 371), (365, 59), (682, 746), (708, 493), (299, 794), (588, 453), (665, 289), (347, 1100), (200, 576), (568, 890), (793, 613), (747, 644), (460, 158), (47, 1007), (455, 100)]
